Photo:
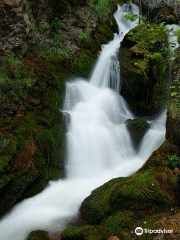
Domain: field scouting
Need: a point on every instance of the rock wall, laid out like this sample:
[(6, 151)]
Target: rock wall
[(28, 22)]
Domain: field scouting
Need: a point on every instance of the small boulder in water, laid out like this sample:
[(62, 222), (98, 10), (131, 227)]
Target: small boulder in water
[(137, 128), (39, 235)]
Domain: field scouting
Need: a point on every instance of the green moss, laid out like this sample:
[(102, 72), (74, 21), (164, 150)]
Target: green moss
[(15, 188), (147, 222), (134, 77), (86, 233), (38, 235), (39, 122), (145, 191), (99, 203), (4, 180), (142, 192), (4, 161), (16, 81), (139, 51), (104, 8), (120, 220), (137, 128), (83, 63), (116, 225)]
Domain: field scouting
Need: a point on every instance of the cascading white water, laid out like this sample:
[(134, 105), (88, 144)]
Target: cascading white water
[(99, 147), (173, 41)]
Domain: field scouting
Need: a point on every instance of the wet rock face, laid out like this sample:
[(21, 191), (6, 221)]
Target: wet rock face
[(14, 24), (28, 22)]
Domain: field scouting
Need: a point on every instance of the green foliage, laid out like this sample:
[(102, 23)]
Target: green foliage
[(144, 67), (137, 128), (133, 17), (103, 7), (56, 24), (46, 140), (149, 36), (82, 63), (173, 161), (86, 34), (175, 94), (177, 34), (16, 82)]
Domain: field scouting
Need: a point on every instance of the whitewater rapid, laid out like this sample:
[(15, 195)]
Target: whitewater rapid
[(99, 146)]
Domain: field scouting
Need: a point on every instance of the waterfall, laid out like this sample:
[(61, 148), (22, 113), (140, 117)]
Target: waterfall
[(173, 40), (99, 146)]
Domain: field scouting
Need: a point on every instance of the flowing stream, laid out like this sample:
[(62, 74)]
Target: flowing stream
[(99, 146)]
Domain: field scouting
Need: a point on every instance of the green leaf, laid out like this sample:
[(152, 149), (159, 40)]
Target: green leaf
[(173, 94)]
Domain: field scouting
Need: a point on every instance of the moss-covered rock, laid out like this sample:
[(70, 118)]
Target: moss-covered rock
[(120, 220), (137, 128), (32, 132), (152, 189), (143, 68), (38, 235), (86, 233)]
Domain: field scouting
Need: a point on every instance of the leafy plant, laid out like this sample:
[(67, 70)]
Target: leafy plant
[(173, 161), (148, 36), (133, 17), (177, 34), (175, 93)]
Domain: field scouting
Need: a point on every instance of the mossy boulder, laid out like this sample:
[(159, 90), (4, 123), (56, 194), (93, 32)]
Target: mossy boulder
[(153, 188), (120, 220), (38, 235), (86, 233), (137, 128), (115, 225), (143, 67)]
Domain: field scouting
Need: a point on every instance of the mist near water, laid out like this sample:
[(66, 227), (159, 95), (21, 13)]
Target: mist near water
[(99, 146)]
